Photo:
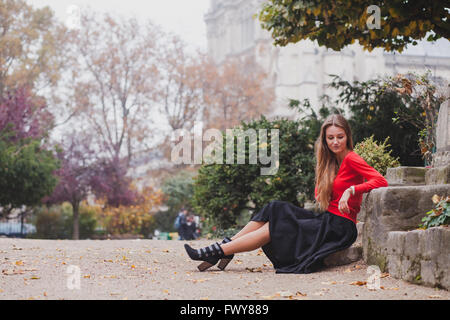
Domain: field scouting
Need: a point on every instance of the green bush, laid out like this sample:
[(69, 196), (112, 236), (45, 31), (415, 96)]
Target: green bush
[(223, 192), (56, 222), (438, 216), (376, 154)]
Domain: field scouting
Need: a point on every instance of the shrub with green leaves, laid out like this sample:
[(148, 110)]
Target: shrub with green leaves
[(222, 192), (438, 216), (56, 222), (376, 154)]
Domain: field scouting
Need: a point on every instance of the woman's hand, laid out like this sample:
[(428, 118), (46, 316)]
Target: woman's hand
[(343, 202)]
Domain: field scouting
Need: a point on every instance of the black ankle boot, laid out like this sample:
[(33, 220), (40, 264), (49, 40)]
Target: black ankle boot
[(209, 255), (226, 259)]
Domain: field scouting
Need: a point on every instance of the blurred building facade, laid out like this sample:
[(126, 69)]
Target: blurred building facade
[(302, 70)]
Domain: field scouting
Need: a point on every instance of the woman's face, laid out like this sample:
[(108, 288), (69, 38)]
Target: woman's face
[(336, 139)]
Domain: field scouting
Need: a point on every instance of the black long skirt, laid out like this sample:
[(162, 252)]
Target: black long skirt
[(301, 239)]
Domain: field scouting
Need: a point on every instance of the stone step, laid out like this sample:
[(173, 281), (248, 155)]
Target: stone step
[(439, 175), (394, 209), (343, 257), (406, 176), (420, 256)]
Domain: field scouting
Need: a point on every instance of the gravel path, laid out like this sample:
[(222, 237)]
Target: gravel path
[(156, 270)]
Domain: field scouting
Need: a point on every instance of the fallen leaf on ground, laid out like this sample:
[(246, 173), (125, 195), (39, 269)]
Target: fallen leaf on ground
[(276, 295), (12, 272), (284, 294), (19, 263), (253, 269), (359, 283)]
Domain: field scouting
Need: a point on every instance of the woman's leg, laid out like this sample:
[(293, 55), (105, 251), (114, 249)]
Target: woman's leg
[(249, 227), (250, 240)]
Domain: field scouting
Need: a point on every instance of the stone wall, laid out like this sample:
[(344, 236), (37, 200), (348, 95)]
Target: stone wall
[(391, 240), (420, 256)]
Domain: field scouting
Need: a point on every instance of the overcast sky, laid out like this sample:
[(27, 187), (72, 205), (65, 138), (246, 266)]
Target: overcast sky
[(183, 17)]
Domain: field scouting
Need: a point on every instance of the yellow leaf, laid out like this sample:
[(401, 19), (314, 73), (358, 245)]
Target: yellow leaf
[(19, 263), (436, 199)]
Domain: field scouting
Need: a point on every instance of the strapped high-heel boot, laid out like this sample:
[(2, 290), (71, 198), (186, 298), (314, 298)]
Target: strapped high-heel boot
[(226, 259), (210, 255)]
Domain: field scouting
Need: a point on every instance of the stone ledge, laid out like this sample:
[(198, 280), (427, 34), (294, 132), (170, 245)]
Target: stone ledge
[(346, 256), (439, 175), (393, 209), (420, 256), (406, 176)]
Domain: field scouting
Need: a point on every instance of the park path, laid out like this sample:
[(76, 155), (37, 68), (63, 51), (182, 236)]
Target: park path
[(157, 269)]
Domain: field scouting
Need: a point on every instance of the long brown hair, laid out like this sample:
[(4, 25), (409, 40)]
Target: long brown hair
[(327, 165)]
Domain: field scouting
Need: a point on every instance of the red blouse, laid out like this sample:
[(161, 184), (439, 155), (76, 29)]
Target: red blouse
[(352, 172)]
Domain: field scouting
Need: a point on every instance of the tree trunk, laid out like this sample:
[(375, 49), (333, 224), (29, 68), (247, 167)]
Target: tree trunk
[(76, 221)]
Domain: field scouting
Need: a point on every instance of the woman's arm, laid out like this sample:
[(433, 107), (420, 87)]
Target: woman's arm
[(373, 177)]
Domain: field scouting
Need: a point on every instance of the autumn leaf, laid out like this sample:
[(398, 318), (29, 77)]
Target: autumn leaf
[(253, 269), (436, 199), (12, 272), (359, 283)]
